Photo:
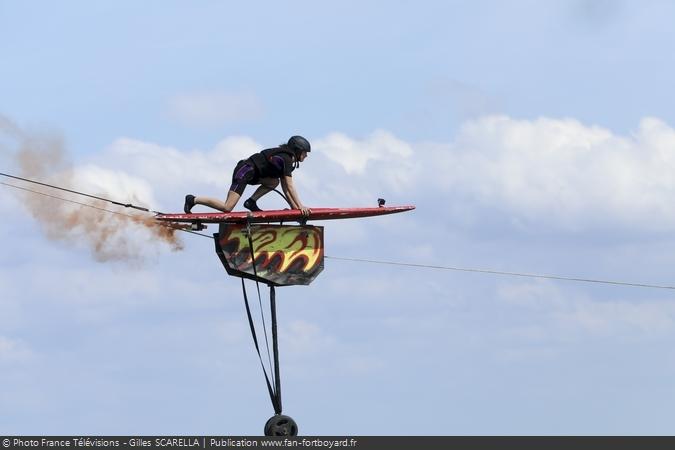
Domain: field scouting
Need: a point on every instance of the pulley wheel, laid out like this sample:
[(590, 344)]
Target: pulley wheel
[(280, 425)]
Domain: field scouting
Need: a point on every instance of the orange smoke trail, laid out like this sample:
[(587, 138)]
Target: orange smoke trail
[(110, 237)]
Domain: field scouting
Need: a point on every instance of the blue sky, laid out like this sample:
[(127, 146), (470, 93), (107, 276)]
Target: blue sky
[(532, 136)]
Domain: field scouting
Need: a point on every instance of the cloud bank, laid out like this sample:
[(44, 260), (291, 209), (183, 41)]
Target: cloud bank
[(559, 174), (562, 173)]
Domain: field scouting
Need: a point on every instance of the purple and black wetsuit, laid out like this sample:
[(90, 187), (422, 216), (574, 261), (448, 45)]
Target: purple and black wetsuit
[(269, 163)]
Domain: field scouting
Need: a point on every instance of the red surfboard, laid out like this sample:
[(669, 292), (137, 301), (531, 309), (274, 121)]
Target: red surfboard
[(282, 215)]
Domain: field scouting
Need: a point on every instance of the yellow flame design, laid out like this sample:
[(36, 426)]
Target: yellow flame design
[(290, 243)]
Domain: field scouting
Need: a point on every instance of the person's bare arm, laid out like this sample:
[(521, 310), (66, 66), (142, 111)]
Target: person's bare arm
[(292, 195)]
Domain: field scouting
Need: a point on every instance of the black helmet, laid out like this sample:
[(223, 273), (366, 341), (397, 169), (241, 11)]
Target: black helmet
[(299, 144)]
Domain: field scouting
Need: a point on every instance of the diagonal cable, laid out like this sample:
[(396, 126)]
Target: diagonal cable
[(513, 274)]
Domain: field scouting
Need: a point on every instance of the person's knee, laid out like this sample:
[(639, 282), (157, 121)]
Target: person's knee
[(231, 201)]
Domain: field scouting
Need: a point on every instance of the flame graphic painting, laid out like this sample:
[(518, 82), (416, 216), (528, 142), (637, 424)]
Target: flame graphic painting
[(284, 255)]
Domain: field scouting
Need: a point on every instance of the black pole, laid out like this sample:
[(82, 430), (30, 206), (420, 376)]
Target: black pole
[(275, 347)]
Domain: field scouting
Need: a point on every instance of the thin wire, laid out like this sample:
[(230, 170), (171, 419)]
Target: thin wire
[(513, 274), (99, 208), (126, 205), (392, 263), (65, 199)]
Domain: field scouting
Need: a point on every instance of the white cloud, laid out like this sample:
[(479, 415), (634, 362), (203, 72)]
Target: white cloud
[(558, 314), (562, 172), (381, 156), (171, 171), (215, 108), (114, 183)]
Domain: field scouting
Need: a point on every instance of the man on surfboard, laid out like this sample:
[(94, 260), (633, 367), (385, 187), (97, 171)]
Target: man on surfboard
[(266, 168)]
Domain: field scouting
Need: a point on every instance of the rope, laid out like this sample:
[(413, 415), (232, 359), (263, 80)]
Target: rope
[(275, 393), (283, 196)]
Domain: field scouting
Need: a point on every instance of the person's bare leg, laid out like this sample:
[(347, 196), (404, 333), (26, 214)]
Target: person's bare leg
[(231, 202), (226, 206), (267, 184), (262, 190)]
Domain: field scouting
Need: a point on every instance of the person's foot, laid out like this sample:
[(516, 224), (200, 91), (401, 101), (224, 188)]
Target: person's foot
[(251, 205), (189, 203)]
